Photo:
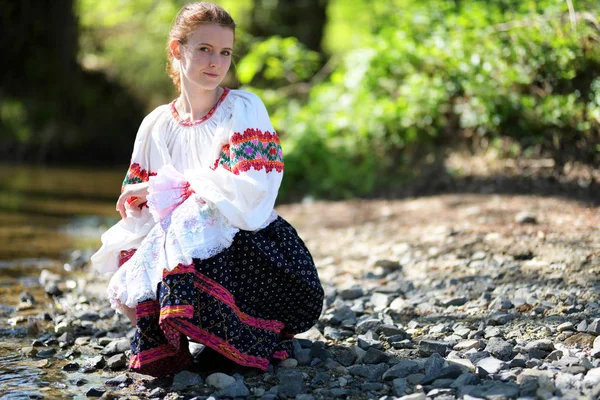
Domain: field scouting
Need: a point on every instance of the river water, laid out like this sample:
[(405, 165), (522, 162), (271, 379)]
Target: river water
[(50, 219)]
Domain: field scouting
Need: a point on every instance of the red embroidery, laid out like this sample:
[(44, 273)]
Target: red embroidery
[(252, 149), (125, 255)]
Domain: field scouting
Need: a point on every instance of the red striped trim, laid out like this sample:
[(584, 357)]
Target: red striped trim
[(218, 344), (281, 355), (152, 355), (180, 311)]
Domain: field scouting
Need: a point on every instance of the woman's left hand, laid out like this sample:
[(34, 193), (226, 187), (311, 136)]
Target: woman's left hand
[(134, 195)]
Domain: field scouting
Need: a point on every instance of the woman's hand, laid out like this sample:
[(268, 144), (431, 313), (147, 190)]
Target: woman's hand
[(133, 195)]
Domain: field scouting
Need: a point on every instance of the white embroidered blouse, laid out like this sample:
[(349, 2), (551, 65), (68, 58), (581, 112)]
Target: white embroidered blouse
[(207, 180)]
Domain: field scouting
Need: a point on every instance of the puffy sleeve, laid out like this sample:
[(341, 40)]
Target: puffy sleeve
[(244, 180), (128, 233)]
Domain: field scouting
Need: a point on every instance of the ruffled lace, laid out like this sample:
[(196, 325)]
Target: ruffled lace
[(194, 229)]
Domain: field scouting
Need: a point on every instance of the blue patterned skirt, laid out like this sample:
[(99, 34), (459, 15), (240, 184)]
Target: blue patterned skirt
[(245, 303)]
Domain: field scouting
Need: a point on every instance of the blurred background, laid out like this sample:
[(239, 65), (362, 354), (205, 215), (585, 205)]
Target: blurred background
[(371, 98)]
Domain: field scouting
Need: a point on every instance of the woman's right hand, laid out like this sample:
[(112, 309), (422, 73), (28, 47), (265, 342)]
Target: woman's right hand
[(134, 195)]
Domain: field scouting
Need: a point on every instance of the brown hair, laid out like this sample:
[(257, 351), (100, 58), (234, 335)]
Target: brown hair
[(188, 19)]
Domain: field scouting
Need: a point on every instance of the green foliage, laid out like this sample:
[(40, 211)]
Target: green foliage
[(429, 73)]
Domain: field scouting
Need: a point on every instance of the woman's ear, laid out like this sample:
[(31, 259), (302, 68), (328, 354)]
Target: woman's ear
[(174, 47)]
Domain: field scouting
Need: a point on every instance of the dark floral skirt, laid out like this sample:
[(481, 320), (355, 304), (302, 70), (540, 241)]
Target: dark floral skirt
[(245, 303)]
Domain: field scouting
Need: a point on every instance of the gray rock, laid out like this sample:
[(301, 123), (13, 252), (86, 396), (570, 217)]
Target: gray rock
[(500, 318), (115, 347), (339, 314), (122, 379), (93, 363), (492, 331), (303, 356), (374, 356), (369, 339), (371, 372), (116, 362), (399, 387), (465, 379), (455, 301), (94, 392), (391, 331), (596, 344), (565, 327), (219, 380), (545, 345), (318, 350), (67, 338), (414, 396), (500, 303), (592, 378), (582, 326), (447, 373), (345, 356), (525, 217), (46, 353), (368, 324), (594, 327), (491, 390), (499, 348), (351, 293), (291, 382), (491, 365), (87, 315), (320, 377), (468, 344), (371, 386), (380, 301), (519, 361), (476, 356), (433, 365), (29, 351), (429, 347), (555, 355), (289, 363), (305, 397), (402, 369), (238, 389)]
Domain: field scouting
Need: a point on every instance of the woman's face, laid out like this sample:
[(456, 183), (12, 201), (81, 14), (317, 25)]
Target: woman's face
[(206, 56)]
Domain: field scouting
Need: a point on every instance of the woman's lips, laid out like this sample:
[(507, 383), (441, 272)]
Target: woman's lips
[(211, 75)]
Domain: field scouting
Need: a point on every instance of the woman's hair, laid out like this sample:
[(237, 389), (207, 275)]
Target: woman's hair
[(188, 19)]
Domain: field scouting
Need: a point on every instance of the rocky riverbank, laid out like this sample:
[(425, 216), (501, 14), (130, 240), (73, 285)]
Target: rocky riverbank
[(474, 297)]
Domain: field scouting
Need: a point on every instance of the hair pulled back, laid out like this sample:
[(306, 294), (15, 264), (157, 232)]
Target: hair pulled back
[(188, 19)]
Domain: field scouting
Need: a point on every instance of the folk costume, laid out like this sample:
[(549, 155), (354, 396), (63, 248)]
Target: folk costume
[(207, 257)]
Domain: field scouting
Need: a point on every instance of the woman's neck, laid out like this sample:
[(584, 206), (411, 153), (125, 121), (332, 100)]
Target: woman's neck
[(194, 106)]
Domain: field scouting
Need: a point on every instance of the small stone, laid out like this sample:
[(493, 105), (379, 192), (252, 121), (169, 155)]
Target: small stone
[(303, 356), (499, 348), (565, 327), (429, 347), (94, 392), (491, 365), (70, 367), (500, 318), (555, 355), (122, 379), (320, 377), (414, 396), (52, 290), (29, 351), (291, 382), (319, 351), (219, 380), (469, 344), (455, 301), (46, 353), (371, 372), (345, 356), (374, 356), (594, 327), (525, 217), (116, 362), (465, 379), (238, 389), (402, 369), (116, 347), (351, 293), (582, 326), (289, 363), (596, 344), (500, 303), (399, 387)]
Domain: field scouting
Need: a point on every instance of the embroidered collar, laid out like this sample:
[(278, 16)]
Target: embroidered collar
[(187, 122)]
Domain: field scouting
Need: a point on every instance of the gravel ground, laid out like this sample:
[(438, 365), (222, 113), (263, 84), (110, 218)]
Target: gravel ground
[(443, 297)]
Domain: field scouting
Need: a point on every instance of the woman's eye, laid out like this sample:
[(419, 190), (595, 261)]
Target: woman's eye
[(204, 49), (226, 53)]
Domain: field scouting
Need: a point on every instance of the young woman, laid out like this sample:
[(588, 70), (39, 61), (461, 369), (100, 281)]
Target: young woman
[(200, 252)]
